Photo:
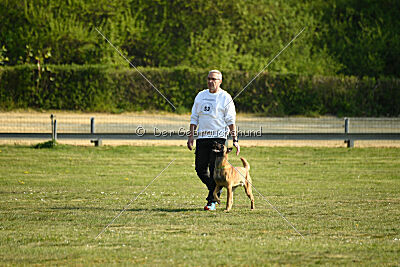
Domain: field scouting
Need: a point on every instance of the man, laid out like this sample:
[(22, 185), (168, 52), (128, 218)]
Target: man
[(213, 113)]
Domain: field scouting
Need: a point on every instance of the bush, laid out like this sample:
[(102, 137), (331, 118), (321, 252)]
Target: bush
[(107, 88)]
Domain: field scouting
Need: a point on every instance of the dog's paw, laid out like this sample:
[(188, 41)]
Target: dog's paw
[(226, 211)]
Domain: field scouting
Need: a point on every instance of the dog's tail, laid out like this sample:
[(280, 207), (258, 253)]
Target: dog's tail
[(246, 165)]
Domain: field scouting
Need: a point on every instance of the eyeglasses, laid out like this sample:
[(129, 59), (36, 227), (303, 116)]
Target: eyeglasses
[(212, 79)]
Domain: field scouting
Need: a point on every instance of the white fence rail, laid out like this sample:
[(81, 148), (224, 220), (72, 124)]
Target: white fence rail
[(152, 126)]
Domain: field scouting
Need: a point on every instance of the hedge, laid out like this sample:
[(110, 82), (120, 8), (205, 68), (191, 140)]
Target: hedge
[(106, 88)]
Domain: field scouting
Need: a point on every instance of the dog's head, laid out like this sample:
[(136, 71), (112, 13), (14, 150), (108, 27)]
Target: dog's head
[(220, 149)]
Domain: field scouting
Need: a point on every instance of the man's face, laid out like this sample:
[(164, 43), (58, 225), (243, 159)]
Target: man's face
[(213, 81)]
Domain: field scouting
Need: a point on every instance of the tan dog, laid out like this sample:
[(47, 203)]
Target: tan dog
[(225, 175)]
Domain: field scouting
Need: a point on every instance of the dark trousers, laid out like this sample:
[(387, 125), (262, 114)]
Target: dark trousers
[(205, 163)]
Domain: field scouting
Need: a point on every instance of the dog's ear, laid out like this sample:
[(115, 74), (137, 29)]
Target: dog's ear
[(229, 149)]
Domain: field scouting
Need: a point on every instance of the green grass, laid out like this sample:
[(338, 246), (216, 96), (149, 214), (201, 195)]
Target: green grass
[(54, 202)]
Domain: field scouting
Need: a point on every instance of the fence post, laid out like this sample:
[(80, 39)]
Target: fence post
[(97, 142), (55, 131), (346, 125), (349, 142), (92, 129), (52, 126)]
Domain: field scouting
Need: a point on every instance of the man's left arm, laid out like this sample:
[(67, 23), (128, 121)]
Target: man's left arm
[(232, 130)]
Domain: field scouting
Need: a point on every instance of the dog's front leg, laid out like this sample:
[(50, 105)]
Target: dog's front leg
[(229, 198), (215, 194)]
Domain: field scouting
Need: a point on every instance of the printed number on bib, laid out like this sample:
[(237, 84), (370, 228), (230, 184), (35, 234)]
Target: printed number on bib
[(207, 108)]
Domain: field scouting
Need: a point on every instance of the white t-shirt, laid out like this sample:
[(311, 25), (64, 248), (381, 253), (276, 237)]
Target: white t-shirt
[(212, 113)]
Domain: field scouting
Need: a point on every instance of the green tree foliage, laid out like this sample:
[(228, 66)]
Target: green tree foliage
[(361, 34), (355, 37), (3, 57)]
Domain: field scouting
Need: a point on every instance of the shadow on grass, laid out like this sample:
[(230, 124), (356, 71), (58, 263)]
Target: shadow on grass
[(132, 210), (176, 209)]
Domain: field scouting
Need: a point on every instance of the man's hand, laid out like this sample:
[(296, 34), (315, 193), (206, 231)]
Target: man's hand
[(191, 136), (236, 144), (232, 129), (190, 142)]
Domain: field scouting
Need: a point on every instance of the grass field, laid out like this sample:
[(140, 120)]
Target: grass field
[(54, 202)]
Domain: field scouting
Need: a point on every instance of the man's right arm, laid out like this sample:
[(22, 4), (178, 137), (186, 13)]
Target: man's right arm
[(194, 120), (191, 136)]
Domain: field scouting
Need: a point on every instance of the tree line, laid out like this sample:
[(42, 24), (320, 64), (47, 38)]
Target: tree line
[(346, 37)]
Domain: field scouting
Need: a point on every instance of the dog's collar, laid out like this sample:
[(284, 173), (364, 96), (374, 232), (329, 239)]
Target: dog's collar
[(220, 168)]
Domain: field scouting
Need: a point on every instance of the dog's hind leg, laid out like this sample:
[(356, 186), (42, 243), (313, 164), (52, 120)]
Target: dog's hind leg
[(249, 191), (215, 194)]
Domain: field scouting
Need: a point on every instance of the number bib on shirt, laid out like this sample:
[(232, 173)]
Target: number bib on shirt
[(207, 108)]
